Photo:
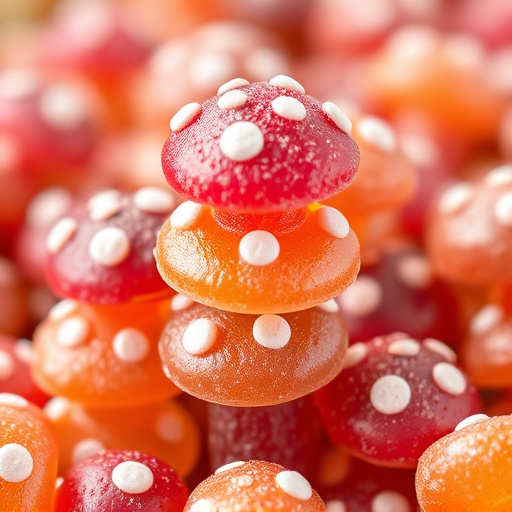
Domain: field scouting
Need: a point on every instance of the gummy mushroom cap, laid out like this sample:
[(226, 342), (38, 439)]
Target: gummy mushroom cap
[(260, 147)]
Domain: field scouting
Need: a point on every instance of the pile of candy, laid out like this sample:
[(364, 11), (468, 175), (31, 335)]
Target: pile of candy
[(315, 316)]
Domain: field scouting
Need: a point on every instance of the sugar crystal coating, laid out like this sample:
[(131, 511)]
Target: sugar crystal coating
[(278, 151)]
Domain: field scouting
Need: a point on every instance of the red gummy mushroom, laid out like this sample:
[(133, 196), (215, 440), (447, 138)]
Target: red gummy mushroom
[(104, 253), (119, 481), (259, 147)]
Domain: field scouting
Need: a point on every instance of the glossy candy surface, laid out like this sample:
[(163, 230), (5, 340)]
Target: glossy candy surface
[(252, 487), (258, 263), (28, 457), (113, 238), (259, 147), (164, 429), (102, 355), (121, 481), (287, 434), (468, 469), (251, 360), (469, 235), (394, 397)]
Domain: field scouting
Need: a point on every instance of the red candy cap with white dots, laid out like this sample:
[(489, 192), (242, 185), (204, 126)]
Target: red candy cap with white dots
[(260, 147), (394, 398), (103, 254), (116, 480)]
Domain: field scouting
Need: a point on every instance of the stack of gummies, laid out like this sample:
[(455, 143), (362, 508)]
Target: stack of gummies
[(97, 354), (259, 262)]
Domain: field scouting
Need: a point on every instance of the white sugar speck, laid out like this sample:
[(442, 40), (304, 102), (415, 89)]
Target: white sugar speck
[(72, 332), (332, 221), (232, 84), (229, 465), (455, 198), (232, 99), (376, 132), (362, 298), (475, 418), (355, 354), (153, 200)]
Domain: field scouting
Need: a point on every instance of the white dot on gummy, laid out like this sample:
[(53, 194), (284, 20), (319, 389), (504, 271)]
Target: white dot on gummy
[(337, 116), (362, 298), (355, 354), (499, 176), (61, 233), (132, 477), (332, 221), (16, 463), (378, 133), (62, 309), (130, 345), (440, 348), (85, 448), (241, 141), (335, 506), (153, 200), (180, 302), (13, 400), (109, 247), (185, 116), (390, 501), (232, 84), (287, 83), (229, 465), (487, 318), (104, 205), (62, 107), (390, 394), (232, 99), (455, 198), (289, 108), (475, 418), (169, 427), (186, 215), (271, 331), (259, 248), (199, 336), (449, 378), (414, 271), (294, 484), (329, 306), (56, 408), (7, 365), (503, 210), (72, 332), (408, 347)]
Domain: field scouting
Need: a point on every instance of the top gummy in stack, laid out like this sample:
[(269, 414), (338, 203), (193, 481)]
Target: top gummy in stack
[(253, 162)]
